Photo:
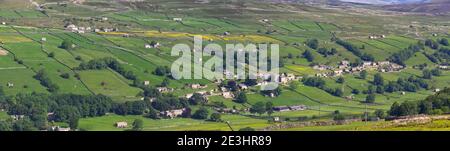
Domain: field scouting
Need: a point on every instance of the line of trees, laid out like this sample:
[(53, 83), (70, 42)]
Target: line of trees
[(355, 50), (108, 62), (45, 80), (401, 56)]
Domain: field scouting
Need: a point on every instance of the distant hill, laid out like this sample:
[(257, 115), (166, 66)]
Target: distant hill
[(386, 2), (435, 7)]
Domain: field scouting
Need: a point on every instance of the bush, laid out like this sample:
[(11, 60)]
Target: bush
[(201, 114), (216, 117)]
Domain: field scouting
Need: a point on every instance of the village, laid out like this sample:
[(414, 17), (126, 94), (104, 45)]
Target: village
[(345, 68)]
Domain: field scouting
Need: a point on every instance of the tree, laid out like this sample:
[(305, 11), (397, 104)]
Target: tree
[(258, 108), (363, 74), (395, 109), (152, 113), (425, 107), (67, 44), (73, 123), (138, 125), (340, 80), (201, 114), (444, 42), (241, 98), (216, 117), (197, 99), (165, 82), (232, 85), (162, 71), (51, 55), (380, 113), (355, 91), (269, 108), (370, 98), (427, 74), (436, 72), (338, 92), (5, 126), (308, 55), (312, 43), (251, 82), (380, 89), (65, 75), (378, 79), (408, 108), (24, 124), (338, 117)]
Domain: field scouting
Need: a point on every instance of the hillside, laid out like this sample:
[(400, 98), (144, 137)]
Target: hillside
[(110, 61)]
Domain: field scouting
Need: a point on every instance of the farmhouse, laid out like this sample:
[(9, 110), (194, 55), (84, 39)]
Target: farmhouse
[(173, 113), (243, 86), (59, 129), (178, 19), (10, 85), (121, 124), (227, 95), (298, 108), (188, 96), (281, 108), (3, 52), (226, 110), (164, 89), (17, 117), (146, 83), (43, 39), (276, 119), (443, 67), (198, 86), (3, 23)]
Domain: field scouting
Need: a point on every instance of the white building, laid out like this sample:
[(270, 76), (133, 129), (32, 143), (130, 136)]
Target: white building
[(121, 124)]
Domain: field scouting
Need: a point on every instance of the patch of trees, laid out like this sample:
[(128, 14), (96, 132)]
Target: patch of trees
[(65, 108), (241, 98), (402, 56), (67, 44), (327, 52), (162, 71), (45, 80), (262, 108), (432, 44), (411, 84), (308, 56), (312, 43), (355, 50), (201, 114), (103, 63), (443, 55), (444, 42)]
